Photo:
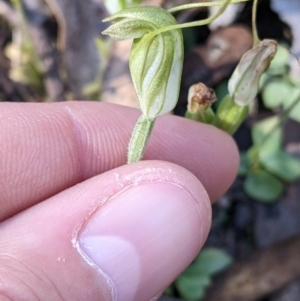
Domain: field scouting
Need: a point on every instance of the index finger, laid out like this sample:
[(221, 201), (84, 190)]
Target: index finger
[(46, 148)]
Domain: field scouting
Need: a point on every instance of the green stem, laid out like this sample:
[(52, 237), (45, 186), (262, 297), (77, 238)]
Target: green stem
[(254, 27), (229, 115), (139, 139), (207, 116), (206, 4), (192, 24)]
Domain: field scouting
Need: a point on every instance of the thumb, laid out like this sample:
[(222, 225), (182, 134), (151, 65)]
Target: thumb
[(123, 235)]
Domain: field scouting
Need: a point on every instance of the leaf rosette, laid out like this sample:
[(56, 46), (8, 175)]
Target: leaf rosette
[(156, 56)]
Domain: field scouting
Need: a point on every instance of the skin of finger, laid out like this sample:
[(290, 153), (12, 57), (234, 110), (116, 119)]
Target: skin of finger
[(38, 258), (46, 148)]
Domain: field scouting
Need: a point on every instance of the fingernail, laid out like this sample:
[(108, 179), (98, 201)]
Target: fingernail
[(143, 238)]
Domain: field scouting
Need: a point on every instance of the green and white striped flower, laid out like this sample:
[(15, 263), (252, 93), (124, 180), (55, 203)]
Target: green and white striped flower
[(155, 64), (155, 60)]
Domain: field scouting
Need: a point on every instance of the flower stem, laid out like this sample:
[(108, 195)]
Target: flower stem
[(254, 27), (194, 23), (139, 139), (206, 4)]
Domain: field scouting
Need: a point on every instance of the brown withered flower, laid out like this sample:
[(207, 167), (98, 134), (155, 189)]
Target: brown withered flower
[(200, 97)]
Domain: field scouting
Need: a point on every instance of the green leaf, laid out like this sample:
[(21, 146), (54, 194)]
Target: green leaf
[(196, 278), (294, 96), (295, 80), (244, 164), (295, 113), (279, 64), (208, 262), (263, 187), (264, 79), (282, 165), (192, 271), (192, 288), (212, 260), (276, 92), (267, 135)]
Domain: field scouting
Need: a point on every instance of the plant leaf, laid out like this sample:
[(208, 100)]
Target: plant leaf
[(263, 187), (276, 92), (279, 64), (264, 79), (212, 260), (267, 135), (294, 96), (192, 283), (295, 113), (192, 288), (283, 165)]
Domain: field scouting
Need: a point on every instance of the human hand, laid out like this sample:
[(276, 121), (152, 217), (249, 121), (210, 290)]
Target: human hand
[(80, 224)]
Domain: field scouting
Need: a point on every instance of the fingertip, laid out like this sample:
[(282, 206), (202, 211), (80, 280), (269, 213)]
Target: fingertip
[(136, 227), (50, 147), (225, 162), (209, 153), (147, 233)]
